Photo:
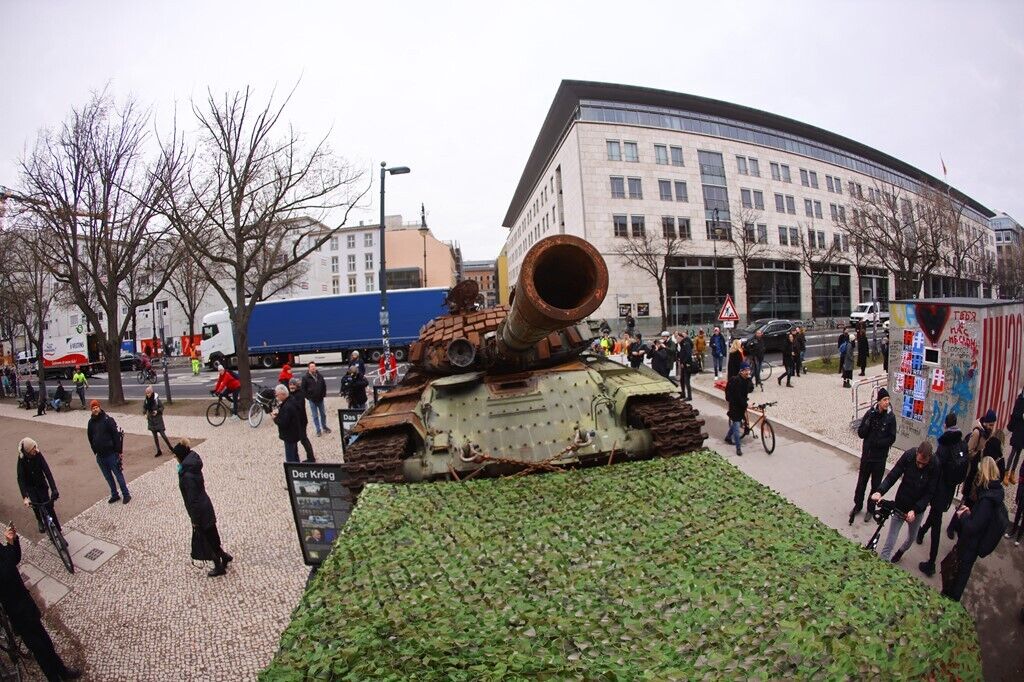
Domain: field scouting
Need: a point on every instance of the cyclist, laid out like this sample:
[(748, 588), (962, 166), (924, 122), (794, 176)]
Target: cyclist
[(228, 385), (147, 364), (36, 482)]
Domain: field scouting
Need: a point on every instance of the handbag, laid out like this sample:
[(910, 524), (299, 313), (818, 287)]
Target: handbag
[(949, 567), (201, 550)]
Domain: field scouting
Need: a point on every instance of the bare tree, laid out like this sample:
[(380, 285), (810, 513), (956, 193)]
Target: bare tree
[(816, 253), (234, 196), (91, 195), (963, 245), (896, 234), (747, 242), (652, 254), (188, 286)]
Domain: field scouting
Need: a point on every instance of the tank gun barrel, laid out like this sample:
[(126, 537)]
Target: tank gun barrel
[(563, 280)]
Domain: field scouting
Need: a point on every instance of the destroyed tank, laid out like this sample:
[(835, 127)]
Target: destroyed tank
[(513, 390)]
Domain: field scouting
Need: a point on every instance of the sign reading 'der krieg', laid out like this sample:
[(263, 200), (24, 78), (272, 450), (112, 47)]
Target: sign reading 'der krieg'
[(321, 505)]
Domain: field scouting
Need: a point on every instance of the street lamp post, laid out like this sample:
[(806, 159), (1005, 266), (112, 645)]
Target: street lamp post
[(385, 323), (714, 241)]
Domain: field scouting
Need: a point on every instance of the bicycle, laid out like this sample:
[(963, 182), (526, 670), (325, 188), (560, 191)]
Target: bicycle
[(765, 371), (262, 403), (767, 430), (217, 413), (146, 376), (12, 647), (55, 535)]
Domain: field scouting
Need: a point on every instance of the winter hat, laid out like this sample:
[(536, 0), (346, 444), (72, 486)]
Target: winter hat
[(26, 444), (989, 417), (993, 448), (664, 333), (180, 450), (745, 365), (882, 393), (94, 403)]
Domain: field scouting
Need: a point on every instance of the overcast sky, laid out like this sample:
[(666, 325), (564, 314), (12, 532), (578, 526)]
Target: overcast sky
[(458, 92)]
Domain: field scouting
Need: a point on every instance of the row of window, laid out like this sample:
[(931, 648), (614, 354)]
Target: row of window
[(370, 282), (350, 241), (630, 151), (667, 189), (351, 262), (677, 227)]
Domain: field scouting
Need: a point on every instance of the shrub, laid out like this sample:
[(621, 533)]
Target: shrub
[(680, 568)]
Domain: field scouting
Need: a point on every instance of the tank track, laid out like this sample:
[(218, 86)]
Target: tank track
[(674, 425), (376, 457)]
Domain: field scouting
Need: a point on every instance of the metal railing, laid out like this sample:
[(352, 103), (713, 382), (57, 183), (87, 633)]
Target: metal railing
[(873, 383)]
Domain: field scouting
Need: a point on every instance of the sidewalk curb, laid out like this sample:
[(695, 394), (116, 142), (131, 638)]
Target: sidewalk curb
[(713, 393)]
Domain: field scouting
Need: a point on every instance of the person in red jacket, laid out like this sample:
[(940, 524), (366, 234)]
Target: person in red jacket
[(227, 385), (286, 374), (388, 367)]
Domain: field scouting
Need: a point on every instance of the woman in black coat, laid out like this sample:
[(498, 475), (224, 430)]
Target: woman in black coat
[(790, 351), (1016, 429), (153, 408), (972, 522), (205, 538), (862, 350), (735, 359)]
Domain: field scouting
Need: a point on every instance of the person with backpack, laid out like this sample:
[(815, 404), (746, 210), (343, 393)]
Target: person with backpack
[(717, 343), (107, 442), (951, 456), (846, 352), (980, 433), (980, 526), (918, 474), (878, 431)]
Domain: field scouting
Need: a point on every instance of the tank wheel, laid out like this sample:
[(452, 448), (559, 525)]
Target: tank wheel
[(674, 425), (376, 457)]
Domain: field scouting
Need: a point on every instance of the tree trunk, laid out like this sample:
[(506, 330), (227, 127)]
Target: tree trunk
[(661, 302), (244, 371), (37, 343), (115, 388)]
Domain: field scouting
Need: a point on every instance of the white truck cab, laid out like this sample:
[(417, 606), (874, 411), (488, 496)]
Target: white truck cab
[(218, 337), (870, 312)]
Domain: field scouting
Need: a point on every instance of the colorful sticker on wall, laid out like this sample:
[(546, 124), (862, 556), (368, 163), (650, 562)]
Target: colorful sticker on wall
[(908, 406), (919, 410), (908, 337), (938, 380), (919, 388), (897, 383), (918, 345), (917, 362), (932, 317), (908, 383)]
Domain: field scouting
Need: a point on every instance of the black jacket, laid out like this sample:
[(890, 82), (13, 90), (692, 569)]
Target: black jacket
[(983, 512), (359, 365), (878, 431), (300, 403), (845, 336), (686, 351), (636, 354), (660, 361), (917, 486), (289, 421), (355, 389), (314, 387), (155, 422), (193, 492), (801, 342), (1016, 424), (733, 367), (754, 349), (34, 476), (862, 350), (950, 443), (14, 597), (736, 392), (103, 437)]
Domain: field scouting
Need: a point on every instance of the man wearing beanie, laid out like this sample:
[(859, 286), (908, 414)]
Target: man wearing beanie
[(976, 441), (951, 458), (878, 431), (35, 481), (736, 391), (105, 442)]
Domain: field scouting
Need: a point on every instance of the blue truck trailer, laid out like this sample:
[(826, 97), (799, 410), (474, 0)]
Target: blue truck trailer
[(281, 329)]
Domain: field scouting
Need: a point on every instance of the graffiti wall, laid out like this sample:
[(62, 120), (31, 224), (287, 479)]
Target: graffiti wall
[(948, 358)]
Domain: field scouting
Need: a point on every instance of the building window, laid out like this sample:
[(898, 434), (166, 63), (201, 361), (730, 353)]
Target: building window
[(790, 205), (783, 235), (785, 173), (618, 187), (814, 179), (665, 190), (762, 233), (776, 173), (746, 199), (749, 233), (351, 262), (684, 228), (619, 223), (371, 282), (681, 194), (334, 243), (808, 208), (638, 226), (632, 153), (334, 264), (635, 190), (351, 284), (335, 285), (805, 179), (368, 261), (759, 200), (834, 211), (741, 165), (661, 155), (830, 183), (368, 239), (677, 156), (668, 227), (780, 203), (614, 150), (755, 169), (842, 214), (817, 209), (350, 241)]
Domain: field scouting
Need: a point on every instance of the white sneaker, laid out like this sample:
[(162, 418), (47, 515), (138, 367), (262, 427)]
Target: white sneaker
[(236, 417)]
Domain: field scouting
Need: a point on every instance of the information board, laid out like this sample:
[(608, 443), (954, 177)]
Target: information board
[(347, 418), (321, 505)]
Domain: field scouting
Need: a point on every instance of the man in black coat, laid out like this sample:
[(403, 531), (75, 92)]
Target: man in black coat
[(684, 363), (295, 393), (315, 389), (918, 474), (862, 350), (636, 352), (26, 620), (105, 442), (1016, 428), (35, 481), (754, 351), (199, 506), (736, 392), (289, 423), (950, 444), (878, 431)]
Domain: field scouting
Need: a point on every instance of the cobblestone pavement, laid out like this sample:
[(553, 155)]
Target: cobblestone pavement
[(147, 613)]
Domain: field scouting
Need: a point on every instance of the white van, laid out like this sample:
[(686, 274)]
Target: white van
[(869, 313)]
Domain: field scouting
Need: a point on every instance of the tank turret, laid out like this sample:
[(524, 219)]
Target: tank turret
[(516, 389)]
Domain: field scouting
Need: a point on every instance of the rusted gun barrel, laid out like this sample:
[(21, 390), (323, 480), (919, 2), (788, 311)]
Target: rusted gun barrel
[(563, 280)]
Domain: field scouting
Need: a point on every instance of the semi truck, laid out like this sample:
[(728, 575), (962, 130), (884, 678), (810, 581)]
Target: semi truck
[(281, 330), (61, 354)]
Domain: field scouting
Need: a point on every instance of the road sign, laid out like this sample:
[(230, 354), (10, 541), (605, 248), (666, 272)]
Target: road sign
[(728, 311), (728, 324)]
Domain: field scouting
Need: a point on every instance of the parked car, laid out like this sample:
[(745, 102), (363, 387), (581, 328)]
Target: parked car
[(774, 331)]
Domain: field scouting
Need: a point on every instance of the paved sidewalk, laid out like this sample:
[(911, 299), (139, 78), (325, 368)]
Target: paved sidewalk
[(820, 479), (147, 613)]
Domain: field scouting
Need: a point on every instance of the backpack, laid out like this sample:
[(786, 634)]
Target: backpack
[(955, 467), (843, 348), (994, 533)]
